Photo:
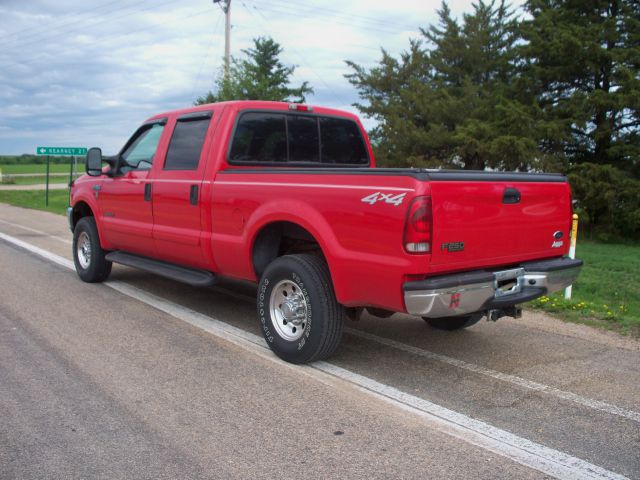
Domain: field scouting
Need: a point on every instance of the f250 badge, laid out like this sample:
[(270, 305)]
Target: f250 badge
[(392, 198), (452, 247)]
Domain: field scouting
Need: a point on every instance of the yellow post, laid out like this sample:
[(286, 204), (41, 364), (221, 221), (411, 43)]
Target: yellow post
[(572, 250)]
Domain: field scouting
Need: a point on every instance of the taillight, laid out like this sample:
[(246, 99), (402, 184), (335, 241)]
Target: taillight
[(419, 226)]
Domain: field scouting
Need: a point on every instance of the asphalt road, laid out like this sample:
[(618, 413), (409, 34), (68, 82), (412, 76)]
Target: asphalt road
[(146, 378)]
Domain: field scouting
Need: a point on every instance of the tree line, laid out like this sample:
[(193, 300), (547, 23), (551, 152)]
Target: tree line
[(551, 87)]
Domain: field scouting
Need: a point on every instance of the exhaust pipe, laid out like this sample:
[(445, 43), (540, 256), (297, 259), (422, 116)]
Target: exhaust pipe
[(496, 314)]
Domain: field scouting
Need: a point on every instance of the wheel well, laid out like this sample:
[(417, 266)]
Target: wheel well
[(80, 209), (281, 238)]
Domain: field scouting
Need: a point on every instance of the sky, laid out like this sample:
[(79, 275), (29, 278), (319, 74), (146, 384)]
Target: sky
[(88, 73)]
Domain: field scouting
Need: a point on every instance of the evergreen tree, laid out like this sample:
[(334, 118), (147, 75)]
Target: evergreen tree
[(583, 58), (454, 99), (260, 75)]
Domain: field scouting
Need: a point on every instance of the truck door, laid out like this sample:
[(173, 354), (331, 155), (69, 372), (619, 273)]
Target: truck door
[(177, 191), (124, 199)]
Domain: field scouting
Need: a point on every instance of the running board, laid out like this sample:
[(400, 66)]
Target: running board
[(191, 276)]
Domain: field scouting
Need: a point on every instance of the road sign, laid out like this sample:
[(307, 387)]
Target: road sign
[(62, 151)]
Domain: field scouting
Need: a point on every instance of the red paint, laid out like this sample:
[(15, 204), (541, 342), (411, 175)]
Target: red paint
[(363, 241)]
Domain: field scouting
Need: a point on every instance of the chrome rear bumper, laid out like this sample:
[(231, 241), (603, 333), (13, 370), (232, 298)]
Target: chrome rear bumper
[(460, 294)]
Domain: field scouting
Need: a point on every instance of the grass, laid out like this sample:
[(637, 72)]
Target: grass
[(35, 179), (58, 199), (37, 168), (38, 172), (607, 292)]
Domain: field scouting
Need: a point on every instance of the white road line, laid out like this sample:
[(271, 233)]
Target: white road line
[(38, 251), (533, 455), (40, 232), (488, 372), (505, 377), (478, 369)]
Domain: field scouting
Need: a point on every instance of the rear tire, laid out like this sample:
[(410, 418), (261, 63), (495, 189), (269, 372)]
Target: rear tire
[(88, 255), (453, 323), (301, 319)]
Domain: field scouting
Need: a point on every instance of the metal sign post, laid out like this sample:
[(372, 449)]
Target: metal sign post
[(46, 188), (61, 152)]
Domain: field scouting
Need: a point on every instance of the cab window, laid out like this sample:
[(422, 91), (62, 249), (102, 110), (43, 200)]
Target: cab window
[(295, 139), (186, 144)]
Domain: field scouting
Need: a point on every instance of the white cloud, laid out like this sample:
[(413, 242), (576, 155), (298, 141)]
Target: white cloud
[(83, 74)]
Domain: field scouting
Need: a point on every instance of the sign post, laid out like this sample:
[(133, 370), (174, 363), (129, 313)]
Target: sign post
[(572, 250), (46, 187), (60, 152)]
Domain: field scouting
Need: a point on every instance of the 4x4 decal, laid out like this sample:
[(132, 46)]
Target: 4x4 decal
[(392, 198)]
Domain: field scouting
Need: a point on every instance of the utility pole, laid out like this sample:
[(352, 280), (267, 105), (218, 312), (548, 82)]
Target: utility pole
[(226, 8)]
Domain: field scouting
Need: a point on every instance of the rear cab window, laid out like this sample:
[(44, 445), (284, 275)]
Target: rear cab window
[(278, 138)]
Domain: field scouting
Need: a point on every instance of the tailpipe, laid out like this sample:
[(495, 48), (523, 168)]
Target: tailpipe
[(496, 314)]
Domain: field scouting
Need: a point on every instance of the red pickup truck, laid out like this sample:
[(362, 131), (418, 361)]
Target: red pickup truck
[(288, 196)]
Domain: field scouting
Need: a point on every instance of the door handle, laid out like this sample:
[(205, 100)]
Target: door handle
[(511, 195), (147, 192), (193, 195)]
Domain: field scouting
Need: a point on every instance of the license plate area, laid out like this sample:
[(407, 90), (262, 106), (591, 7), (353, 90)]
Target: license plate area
[(508, 282)]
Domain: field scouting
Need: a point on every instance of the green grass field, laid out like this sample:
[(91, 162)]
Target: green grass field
[(35, 168), (607, 293), (33, 180), (58, 199), (8, 170)]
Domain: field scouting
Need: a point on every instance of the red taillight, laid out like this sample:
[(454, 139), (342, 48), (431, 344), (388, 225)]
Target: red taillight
[(418, 227), (300, 108)]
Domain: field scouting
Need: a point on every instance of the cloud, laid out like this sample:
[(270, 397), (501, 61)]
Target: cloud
[(80, 74)]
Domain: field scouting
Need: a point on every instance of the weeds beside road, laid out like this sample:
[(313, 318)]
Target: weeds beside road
[(606, 294)]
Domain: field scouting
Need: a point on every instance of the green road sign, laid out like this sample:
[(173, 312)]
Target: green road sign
[(62, 151)]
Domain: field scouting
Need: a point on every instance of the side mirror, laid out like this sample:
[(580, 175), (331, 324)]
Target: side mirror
[(93, 166)]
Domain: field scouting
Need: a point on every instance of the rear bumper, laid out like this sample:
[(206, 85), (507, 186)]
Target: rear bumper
[(463, 293)]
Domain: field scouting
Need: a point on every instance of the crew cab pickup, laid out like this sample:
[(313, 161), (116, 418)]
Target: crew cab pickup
[(288, 196)]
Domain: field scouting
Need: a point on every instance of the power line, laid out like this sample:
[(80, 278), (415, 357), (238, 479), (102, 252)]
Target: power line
[(329, 89), (37, 58), (206, 58), (76, 14), (105, 18), (298, 11)]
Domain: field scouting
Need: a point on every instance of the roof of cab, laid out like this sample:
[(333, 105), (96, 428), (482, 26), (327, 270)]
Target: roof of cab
[(250, 105)]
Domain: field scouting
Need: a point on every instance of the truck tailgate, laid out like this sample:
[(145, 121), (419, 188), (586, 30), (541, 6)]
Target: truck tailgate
[(478, 224)]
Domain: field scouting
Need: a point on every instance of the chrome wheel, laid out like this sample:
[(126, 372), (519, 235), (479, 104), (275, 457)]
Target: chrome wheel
[(83, 250), (288, 308)]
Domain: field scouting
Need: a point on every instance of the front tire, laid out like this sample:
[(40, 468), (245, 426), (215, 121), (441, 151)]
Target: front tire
[(88, 255), (453, 323), (301, 319)]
